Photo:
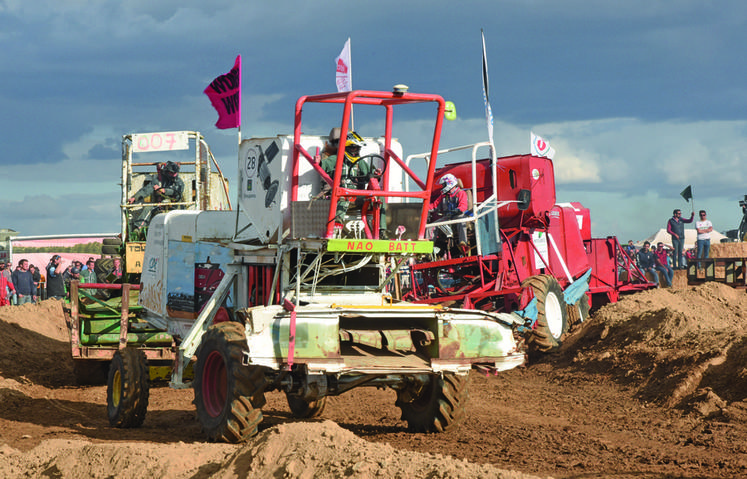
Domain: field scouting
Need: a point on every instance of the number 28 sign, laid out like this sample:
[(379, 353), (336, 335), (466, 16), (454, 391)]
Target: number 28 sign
[(164, 141)]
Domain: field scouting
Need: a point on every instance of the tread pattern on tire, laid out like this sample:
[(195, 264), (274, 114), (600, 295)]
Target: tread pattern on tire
[(242, 413), (541, 338), (440, 407), (134, 391), (579, 312)]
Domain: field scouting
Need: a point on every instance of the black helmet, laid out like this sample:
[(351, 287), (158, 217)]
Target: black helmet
[(169, 168)]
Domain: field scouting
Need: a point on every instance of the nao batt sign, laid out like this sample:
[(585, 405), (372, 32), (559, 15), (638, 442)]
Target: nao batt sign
[(379, 246)]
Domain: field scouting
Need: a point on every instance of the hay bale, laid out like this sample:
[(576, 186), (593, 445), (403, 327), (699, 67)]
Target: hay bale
[(729, 250)]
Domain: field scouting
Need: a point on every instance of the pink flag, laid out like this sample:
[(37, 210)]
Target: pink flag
[(344, 73), (225, 95)]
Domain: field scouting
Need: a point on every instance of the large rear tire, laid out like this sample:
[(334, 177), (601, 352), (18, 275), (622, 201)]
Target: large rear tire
[(127, 388), (303, 409), (228, 395), (438, 406), (552, 314)]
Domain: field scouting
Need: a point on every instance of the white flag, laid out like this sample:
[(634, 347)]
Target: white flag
[(485, 92), (540, 147), (344, 74)]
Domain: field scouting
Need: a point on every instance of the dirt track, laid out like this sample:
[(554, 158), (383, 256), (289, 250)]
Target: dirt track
[(653, 386)]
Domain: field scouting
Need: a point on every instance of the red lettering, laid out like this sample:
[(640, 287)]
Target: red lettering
[(369, 246), (351, 245), (360, 245), (391, 246)]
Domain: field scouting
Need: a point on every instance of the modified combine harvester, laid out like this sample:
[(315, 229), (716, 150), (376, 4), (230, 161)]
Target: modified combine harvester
[(105, 317), (302, 303), (527, 254)]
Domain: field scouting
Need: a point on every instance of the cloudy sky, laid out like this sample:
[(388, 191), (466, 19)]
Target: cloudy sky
[(638, 98)]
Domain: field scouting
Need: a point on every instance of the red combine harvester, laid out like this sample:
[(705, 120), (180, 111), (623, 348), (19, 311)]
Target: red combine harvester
[(527, 253)]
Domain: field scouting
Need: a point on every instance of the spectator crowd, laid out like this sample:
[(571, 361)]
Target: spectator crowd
[(29, 284), (665, 260)]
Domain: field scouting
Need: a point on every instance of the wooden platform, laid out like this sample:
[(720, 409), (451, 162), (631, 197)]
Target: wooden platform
[(729, 271)]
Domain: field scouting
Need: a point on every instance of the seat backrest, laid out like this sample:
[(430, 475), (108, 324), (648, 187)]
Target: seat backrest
[(470, 201)]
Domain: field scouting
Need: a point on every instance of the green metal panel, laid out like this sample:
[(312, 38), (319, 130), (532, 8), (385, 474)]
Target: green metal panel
[(132, 339), (315, 337), (463, 339), (99, 325)]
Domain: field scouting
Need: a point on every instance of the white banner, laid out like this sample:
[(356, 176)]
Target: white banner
[(540, 147), (163, 141), (344, 72)]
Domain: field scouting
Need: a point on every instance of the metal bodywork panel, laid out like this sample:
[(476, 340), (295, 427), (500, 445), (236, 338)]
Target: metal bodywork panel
[(327, 337), (178, 243)]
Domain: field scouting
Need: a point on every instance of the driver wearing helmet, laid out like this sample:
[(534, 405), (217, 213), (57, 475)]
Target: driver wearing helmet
[(355, 175), (165, 186), (452, 203)]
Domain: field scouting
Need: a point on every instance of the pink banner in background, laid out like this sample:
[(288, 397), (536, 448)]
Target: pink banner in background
[(225, 95)]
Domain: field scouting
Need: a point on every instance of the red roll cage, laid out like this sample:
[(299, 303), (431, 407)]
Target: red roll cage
[(376, 98)]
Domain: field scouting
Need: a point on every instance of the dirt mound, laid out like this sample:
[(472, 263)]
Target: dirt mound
[(679, 348), (45, 318), (35, 351), (299, 450), (35, 344)]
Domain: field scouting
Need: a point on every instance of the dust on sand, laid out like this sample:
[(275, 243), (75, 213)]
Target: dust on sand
[(652, 386)]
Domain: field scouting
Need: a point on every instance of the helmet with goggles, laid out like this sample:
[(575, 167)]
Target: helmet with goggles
[(448, 182), (353, 145)]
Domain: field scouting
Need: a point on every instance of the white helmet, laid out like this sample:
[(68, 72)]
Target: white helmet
[(448, 182)]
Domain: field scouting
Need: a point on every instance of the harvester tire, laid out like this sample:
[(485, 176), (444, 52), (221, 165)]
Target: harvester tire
[(303, 409), (439, 406), (109, 249), (228, 395), (552, 314), (103, 267), (111, 242), (127, 388), (579, 312), (90, 372)]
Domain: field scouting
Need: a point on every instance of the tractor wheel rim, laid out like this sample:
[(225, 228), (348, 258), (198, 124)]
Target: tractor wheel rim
[(554, 315), (214, 384), (116, 389)]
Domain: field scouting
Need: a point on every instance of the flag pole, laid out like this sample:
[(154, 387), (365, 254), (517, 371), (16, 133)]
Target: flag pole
[(489, 120), (239, 129), (352, 114), (692, 196)]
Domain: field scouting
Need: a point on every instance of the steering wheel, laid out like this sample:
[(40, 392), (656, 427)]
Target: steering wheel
[(375, 161)]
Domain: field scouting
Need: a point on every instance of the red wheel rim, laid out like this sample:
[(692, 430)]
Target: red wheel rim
[(214, 384), (221, 316)]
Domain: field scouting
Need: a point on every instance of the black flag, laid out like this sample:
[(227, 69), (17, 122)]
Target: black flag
[(687, 193)]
